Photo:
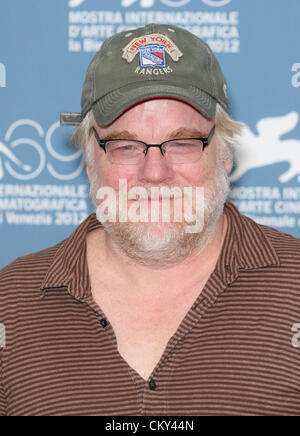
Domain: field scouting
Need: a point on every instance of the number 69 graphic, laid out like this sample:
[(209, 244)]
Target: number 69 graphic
[(13, 164)]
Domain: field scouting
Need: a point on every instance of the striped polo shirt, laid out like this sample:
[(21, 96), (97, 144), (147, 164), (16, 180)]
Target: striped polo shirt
[(237, 351)]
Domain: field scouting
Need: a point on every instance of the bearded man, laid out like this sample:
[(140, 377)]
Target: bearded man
[(146, 316)]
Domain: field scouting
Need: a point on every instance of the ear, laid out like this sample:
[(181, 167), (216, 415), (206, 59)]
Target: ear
[(88, 173), (228, 163)]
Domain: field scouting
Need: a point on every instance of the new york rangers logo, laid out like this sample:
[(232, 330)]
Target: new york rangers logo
[(152, 56)]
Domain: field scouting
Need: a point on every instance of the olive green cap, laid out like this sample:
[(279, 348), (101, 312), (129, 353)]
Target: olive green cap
[(158, 60)]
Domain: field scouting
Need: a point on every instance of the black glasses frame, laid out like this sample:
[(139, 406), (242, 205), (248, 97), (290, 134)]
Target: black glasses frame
[(205, 141)]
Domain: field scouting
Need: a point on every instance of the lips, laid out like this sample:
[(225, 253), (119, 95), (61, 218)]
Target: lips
[(160, 198)]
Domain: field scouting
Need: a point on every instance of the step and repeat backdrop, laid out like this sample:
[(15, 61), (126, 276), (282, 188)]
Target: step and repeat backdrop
[(45, 48)]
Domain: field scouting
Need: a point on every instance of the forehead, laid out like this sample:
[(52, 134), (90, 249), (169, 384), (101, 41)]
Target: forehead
[(158, 116)]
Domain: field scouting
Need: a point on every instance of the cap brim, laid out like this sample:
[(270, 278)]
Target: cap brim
[(111, 106)]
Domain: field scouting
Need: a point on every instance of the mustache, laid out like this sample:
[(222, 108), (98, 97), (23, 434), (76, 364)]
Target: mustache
[(158, 192)]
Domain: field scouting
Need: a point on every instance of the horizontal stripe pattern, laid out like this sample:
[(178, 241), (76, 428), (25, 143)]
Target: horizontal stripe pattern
[(235, 352)]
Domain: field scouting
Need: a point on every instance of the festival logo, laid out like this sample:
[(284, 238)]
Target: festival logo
[(175, 3), (88, 29), (296, 76), (2, 76), (142, 3), (12, 163), (10, 156), (75, 3), (216, 3), (268, 147)]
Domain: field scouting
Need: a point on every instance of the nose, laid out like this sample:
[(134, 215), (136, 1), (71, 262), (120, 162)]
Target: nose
[(155, 168)]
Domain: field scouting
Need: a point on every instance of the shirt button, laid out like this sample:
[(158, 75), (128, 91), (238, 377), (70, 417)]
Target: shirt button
[(103, 322), (228, 268), (152, 385)]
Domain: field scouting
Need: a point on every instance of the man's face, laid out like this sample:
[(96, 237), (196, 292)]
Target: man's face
[(153, 122)]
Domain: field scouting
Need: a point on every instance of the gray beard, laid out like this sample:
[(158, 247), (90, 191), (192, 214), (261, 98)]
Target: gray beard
[(147, 246)]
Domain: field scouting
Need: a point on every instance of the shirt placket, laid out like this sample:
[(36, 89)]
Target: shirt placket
[(155, 390)]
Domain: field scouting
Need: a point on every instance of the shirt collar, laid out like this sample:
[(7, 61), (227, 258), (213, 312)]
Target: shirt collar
[(69, 267), (245, 246)]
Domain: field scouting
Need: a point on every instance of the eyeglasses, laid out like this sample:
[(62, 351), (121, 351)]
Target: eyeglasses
[(176, 151)]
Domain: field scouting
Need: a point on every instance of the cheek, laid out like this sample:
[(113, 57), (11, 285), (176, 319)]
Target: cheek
[(111, 175), (194, 174), (202, 172)]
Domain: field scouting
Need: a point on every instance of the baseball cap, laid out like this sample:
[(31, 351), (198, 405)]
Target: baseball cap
[(158, 60)]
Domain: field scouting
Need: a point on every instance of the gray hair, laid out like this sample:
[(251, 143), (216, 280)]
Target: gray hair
[(83, 137), (227, 130)]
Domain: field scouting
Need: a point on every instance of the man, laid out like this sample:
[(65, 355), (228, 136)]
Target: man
[(142, 317)]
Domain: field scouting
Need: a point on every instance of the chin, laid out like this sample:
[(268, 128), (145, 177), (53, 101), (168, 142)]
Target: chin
[(153, 244)]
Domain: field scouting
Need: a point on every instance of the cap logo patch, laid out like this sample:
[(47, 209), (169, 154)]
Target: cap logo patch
[(155, 40), (152, 56)]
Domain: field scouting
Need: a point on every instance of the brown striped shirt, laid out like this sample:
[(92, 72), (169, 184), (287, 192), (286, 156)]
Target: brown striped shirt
[(237, 351)]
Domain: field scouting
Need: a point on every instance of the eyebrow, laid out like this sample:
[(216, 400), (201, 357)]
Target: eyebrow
[(182, 132), (124, 134)]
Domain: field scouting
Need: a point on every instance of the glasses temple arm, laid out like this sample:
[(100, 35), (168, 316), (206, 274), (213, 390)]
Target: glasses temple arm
[(207, 140)]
